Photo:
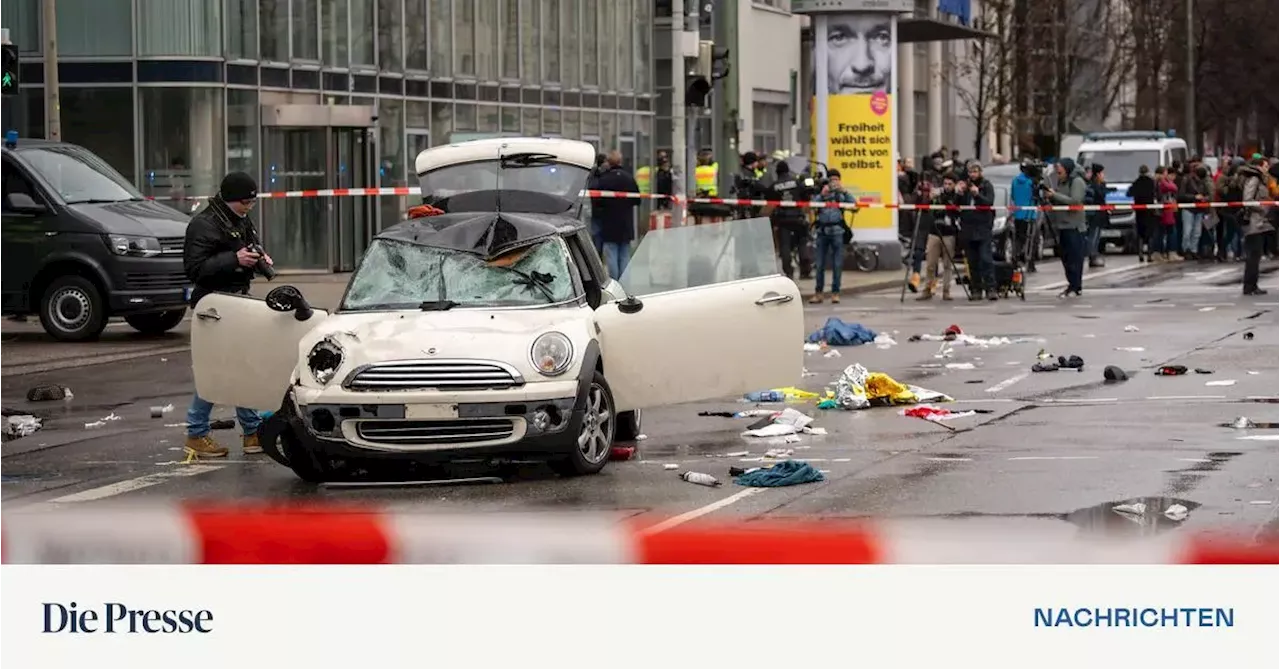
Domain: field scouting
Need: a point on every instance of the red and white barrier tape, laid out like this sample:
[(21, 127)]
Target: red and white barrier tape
[(734, 202), (267, 534)]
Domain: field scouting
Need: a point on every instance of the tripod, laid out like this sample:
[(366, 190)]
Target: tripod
[(950, 258)]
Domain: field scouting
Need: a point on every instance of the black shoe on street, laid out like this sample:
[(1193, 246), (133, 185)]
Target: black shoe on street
[(1255, 291), (992, 297)]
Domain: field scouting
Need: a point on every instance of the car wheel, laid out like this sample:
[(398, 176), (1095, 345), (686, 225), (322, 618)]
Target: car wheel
[(72, 309), (156, 323), (308, 466), (591, 446), (628, 427)]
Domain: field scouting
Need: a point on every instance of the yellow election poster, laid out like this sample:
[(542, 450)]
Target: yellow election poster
[(860, 145)]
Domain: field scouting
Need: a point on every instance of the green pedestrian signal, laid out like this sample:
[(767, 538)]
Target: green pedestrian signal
[(9, 77)]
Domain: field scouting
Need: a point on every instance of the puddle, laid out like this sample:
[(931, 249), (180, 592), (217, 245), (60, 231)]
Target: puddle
[(1137, 516)]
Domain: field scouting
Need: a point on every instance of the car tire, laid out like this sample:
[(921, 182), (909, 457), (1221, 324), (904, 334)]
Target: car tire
[(306, 465), (628, 427), (591, 443), (156, 323), (80, 294)]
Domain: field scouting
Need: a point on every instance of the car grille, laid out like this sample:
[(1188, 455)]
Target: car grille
[(172, 246), (435, 375), (155, 281), (435, 432)]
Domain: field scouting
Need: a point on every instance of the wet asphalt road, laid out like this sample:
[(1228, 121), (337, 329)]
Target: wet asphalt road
[(1054, 449)]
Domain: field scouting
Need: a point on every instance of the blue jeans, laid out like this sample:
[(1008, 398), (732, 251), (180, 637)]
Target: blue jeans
[(1072, 244), (616, 255), (1093, 240), (830, 251), (597, 235), (1173, 239), (1192, 225), (198, 418)]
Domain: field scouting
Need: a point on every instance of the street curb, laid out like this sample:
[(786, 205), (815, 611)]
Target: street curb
[(807, 293)]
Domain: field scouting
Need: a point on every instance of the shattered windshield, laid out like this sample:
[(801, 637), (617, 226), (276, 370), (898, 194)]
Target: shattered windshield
[(526, 182), (402, 275)]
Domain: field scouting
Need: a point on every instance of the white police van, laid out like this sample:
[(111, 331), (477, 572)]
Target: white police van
[(1121, 154)]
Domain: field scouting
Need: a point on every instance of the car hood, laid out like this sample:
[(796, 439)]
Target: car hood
[(143, 218), (504, 335)]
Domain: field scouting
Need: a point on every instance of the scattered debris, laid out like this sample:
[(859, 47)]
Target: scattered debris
[(858, 388), (1171, 370), (21, 425), (1130, 349), (736, 454), (1252, 373), (1177, 513), (960, 365), (1202, 370), (1130, 328), (1045, 366), (790, 472), (718, 414), (935, 414), (836, 332), (699, 478), (94, 424), (779, 453), (1113, 373), (832, 354), (1248, 336), (1223, 382), (1207, 308), (49, 393), (670, 466), (622, 453), (812, 348), (1135, 509), (641, 437), (884, 341), (975, 381), (157, 412)]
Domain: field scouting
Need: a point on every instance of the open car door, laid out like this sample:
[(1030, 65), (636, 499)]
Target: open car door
[(242, 352), (707, 316)]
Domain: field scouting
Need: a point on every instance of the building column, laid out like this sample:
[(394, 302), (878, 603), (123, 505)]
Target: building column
[(906, 93), (935, 96)]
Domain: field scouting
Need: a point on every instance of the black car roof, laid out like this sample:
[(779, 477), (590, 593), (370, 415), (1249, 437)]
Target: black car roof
[(486, 234)]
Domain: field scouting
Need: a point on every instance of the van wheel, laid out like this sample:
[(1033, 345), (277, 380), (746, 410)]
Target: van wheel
[(156, 323), (592, 443), (72, 309)]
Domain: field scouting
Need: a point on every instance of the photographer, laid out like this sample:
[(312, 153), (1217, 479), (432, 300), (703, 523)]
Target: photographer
[(791, 223), (941, 247), (831, 232), (1070, 225), (220, 255), (1023, 194), (978, 227)]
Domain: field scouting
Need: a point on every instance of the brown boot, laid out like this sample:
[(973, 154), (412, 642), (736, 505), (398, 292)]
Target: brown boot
[(816, 299), (946, 297), (251, 445), (204, 447), (835, 298)]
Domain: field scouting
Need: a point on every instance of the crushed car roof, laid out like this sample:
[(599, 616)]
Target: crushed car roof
[(486, 234), (571, 151)]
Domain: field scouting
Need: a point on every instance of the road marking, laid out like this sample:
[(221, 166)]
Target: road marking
[(1187, 397), (949, 459), (1194, 460), (1260, 437), (1083, 399), (1007, 382), (1057, 457), (103, 492), (701, 511), (1215, 304), (1092, 275), (984, 400), (1206, 276)]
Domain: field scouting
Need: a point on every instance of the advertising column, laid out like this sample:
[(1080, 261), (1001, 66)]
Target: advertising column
[(855, 68)]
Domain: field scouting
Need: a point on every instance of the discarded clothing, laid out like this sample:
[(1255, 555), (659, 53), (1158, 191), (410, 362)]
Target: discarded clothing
[(1171, 370), (786, 473), (48, 393), (1202, 370), (1113, 373), (858, 388), (1073, 362), (1045, 366), (21, 425), (836, 332), (935, 414)]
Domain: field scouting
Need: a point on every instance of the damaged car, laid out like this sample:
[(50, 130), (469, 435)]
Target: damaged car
[(485, 328)]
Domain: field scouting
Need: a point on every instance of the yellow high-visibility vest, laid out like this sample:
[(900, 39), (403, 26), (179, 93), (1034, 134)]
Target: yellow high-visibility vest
[(704, 177), (642, 179)]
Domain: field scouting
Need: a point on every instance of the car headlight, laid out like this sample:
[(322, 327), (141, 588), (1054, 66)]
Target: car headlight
[(324, 360), (551, 354), (128, 245)]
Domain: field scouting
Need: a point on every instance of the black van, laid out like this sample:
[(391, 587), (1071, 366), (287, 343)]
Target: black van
[(80, 244)]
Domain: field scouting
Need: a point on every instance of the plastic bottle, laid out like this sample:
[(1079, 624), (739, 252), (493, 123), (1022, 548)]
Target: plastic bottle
[(700, 479), (765, 396)]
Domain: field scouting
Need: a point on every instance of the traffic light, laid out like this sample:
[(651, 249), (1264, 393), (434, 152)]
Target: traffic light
[(10, 73), (719, 62), (700, 79)]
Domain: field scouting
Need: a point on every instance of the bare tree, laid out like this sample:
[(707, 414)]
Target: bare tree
[(980, 77)]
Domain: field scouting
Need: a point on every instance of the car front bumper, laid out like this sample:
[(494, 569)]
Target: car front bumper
[(534, 418)]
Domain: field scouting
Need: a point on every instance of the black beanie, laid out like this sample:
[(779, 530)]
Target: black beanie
[(782, 168), (1113, 373), (237, 186)]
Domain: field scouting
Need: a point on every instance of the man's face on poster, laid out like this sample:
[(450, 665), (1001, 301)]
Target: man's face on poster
[(859, 54)]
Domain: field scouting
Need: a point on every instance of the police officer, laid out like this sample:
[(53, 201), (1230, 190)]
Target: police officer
[(664, 181), (747, 184), (220, 254), (791, 223)]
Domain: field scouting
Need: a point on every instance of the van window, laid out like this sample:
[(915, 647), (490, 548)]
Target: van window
[(17, 182), (79, 176), (1177, 155), (1122, 166)]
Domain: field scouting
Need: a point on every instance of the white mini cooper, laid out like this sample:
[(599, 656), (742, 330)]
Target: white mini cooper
[(490, 330)]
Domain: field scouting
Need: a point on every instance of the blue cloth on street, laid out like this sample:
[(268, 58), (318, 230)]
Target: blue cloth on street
[(785, 473), (839, 333)]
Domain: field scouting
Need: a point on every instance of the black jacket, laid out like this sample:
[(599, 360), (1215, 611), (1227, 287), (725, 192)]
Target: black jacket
[(945, 223), (209, 252), (1096, 193), (790, 188), (978, 224), (1143, 190), (616, 214)]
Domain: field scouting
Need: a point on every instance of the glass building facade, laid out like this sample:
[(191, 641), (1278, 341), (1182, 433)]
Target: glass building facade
[(331, 94)]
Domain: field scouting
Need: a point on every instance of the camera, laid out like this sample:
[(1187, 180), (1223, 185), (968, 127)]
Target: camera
[(265, 270)]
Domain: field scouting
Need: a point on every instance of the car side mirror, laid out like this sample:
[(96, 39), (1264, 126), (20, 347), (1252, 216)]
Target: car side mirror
[(24, 204), (288, 298), (630, 305)]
